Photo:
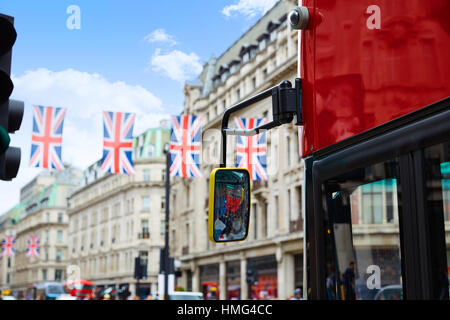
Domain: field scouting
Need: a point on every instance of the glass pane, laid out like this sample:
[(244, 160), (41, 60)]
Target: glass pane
[(231, 205), (363, 239), (437, 174)]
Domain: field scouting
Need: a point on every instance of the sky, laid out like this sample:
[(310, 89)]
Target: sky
[(113, 55)]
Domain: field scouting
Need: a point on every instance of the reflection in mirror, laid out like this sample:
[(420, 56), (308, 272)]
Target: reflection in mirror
[(231, 204)]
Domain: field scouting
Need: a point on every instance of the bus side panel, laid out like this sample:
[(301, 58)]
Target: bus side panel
[(367, 62)]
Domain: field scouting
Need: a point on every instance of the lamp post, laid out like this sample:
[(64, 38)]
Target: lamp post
[(166, 233)]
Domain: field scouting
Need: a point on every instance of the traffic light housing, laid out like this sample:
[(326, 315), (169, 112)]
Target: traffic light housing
[(11, 111)]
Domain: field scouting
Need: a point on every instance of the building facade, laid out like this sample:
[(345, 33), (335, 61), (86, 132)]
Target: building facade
[(116, 218), (7, 228), (261, 58), (42, 212)]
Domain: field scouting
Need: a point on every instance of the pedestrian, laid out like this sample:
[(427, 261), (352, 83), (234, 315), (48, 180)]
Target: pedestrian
[(297, 294), (106, 297), (149, 297), (349, 282), (331, 284)]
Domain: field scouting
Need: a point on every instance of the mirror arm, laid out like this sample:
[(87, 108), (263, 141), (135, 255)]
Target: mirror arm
[(286, 104)]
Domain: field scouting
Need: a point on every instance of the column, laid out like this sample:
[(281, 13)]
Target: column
[(244, 284), (195, 278), (223, 279), (285, 274)]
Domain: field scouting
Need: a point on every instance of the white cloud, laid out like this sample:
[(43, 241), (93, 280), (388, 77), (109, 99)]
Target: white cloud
[(176, 64), (249, 8), (160, 35), (85, 96)]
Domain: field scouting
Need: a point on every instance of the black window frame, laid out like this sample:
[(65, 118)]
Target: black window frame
[(404, 138)]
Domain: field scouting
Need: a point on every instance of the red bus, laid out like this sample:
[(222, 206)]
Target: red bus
[(210, 290), (81, 288), (376, 146), (373, 96)]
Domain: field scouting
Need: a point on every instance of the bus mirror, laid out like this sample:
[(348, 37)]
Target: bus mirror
[(229, 205)]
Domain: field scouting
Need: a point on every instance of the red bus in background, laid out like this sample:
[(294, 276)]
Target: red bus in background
[(210, 290), (80, 288)]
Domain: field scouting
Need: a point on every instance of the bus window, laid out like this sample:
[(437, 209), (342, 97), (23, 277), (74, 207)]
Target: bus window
[(362, 210), (437, 183)]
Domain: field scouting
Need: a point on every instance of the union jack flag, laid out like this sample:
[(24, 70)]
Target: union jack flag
[(251, 151), (33, 246), (185, 146), (8, 246), (46, 139), (118, 142)]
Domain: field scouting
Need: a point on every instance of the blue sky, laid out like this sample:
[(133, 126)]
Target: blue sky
[(130, 56)]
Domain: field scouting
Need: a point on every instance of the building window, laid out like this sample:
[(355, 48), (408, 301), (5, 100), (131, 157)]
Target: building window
[(145, 203), (60, 236), (145, 231), (273, 35), (147, 174), (238, 94), (188, 196), (288, 145), (44, 274), (255, 218), (163, 202), (246, 57), (144, 257), (265, 73), (150, 150), (372, 203), (58, 274), (289, 198), (254, 83), (46, 254), (48, 216), (60, 217), (47, 235)]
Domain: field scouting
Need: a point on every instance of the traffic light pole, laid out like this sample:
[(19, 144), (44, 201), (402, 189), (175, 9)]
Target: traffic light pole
[(166, 233)]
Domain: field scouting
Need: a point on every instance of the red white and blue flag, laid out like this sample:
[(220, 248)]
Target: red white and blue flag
[(8, 246), (118, 142), (46, 138), (251, 151), (33, 246), (185, 146)]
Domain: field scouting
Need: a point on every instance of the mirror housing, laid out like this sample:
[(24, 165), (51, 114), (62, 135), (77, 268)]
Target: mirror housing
[(229, 204)]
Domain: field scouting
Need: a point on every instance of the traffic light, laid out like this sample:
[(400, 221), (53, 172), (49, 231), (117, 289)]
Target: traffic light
[(11, 111)]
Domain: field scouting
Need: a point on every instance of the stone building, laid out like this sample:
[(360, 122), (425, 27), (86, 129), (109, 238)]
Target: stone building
[(116, 218), (7, 227), (261, 58), (42, 212)]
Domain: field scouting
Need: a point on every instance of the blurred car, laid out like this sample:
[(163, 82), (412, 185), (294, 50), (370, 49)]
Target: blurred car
[(8, 298), (66, 296), (186, 295), (392, 292)]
